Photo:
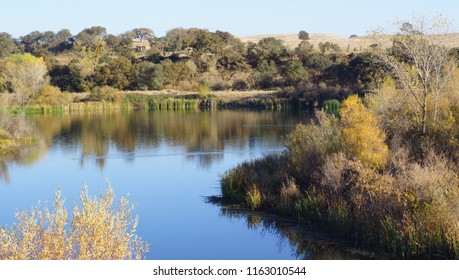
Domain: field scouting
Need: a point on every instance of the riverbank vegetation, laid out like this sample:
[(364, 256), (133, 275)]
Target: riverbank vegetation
[(47, 69), (99, 230), (381, 173)]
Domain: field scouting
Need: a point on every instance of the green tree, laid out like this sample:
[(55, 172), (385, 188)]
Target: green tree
[(265, 75), (329, 47), (117, 73), (93, 38), (149, 76), (63, 35), (303, 35), (231, 62), (37, 43), (177, 40), (304, 50), (295, 73), (7, 45), (179, 74), (367, 71), (318, 62), (143, 34), (267, 49)]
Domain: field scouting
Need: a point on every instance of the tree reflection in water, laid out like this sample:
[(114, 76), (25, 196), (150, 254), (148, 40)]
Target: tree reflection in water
[(306, 244), (201, 136)]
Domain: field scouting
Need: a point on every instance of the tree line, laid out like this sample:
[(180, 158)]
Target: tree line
[(183, 59)]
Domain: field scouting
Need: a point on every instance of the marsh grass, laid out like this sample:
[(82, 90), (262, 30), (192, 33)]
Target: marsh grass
[(98, 229), (167, 103)]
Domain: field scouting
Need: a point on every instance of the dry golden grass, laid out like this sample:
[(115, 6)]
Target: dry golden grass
[(98, 230), (359, 43)]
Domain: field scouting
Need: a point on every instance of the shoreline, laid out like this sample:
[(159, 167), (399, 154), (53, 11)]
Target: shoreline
[(172, 100)]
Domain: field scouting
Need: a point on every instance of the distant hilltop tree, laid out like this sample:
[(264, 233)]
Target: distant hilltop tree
[(303, 35)]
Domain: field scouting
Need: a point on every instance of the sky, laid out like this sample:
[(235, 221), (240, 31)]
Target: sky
[(239, 17)]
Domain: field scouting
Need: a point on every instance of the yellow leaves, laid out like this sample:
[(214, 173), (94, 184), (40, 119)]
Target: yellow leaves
[(98, 230), (361, 133), (50, 95), (254, 197), (25, 59), (26, 73)]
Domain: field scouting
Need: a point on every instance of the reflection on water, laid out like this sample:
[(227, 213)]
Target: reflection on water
[(166, 161), (24, 156), (203, 135), (305, 244)]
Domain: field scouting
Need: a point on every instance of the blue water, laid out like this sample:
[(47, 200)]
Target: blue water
[(167, 163)]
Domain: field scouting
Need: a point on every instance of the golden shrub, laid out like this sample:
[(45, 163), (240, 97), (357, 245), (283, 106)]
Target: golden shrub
[(254, 197), (50, 95), (96, 231), (362, 135)]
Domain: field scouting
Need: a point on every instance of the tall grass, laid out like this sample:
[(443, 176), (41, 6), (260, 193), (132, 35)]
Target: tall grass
[(97, 230)]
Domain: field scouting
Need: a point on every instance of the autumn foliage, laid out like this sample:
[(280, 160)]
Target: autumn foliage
[(342, 176), (98, 230), (362, 136)]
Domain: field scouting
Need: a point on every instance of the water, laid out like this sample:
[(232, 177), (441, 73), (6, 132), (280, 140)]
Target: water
[(168, 163)]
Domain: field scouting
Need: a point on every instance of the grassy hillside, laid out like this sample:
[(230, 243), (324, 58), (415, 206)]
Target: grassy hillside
[(346, 44)]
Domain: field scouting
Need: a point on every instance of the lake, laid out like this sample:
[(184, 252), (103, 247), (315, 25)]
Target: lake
[(168, 163)]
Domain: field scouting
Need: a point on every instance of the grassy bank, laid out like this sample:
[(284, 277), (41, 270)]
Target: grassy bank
[(260, 100), (338, 173)]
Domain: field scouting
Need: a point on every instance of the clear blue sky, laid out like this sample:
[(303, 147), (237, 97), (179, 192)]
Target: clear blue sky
[(240, 17)]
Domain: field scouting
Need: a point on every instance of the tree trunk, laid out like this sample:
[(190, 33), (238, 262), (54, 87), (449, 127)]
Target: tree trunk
[(435, 106), (424, 116)]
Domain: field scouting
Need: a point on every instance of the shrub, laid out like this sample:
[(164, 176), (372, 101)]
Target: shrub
[(4, 134), (96, 231), (253, 197), (267, 173), (331, 107), (309, 144), (50, 95), (106, 93), (240, 85), (362, 136), (289, 193)]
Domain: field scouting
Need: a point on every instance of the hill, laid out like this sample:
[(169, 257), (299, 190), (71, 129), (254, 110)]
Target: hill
[(346, 44)]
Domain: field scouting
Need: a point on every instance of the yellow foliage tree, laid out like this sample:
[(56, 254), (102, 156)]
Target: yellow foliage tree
[(26, 73), (362, 135)]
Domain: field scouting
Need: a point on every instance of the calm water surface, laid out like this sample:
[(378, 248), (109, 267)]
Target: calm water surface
[(168, 163)]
